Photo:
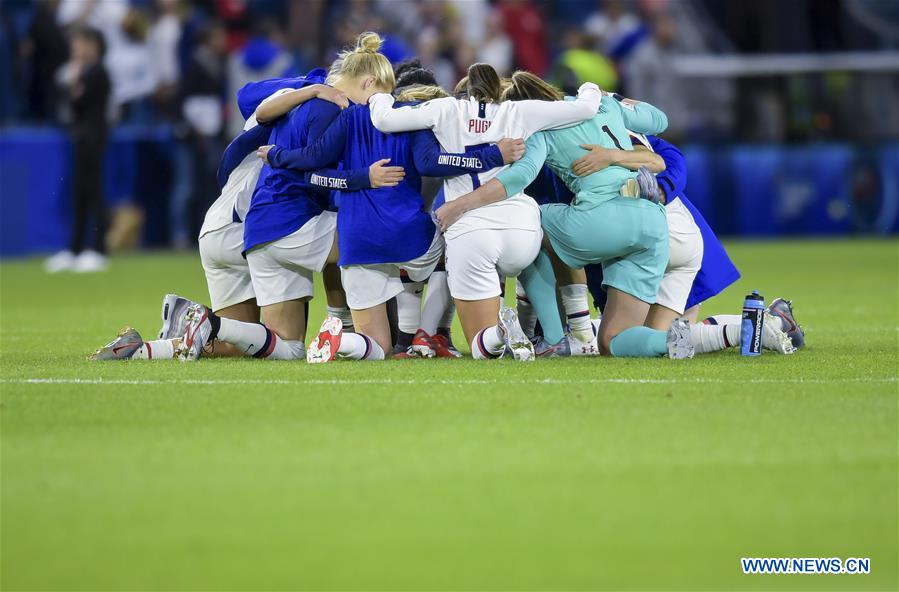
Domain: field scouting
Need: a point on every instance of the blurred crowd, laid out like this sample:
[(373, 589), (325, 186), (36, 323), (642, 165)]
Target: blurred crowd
[(178, 63)]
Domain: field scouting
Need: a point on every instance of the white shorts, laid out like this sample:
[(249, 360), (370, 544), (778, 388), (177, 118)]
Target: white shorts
[(370, 285), (227, 273), (282, 270), (476, 260), (684, 257)]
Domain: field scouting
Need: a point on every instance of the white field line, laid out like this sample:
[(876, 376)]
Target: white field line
[(448, 381)]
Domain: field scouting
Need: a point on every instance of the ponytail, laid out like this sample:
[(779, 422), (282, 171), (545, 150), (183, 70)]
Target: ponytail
[(363, 60), (484, 83)]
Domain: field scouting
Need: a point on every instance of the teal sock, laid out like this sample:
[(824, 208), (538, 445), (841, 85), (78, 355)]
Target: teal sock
[(539, 283), (639, 342)]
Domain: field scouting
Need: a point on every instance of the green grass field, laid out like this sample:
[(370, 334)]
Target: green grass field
[(561, 474)]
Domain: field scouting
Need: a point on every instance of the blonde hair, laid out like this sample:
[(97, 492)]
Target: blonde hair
[(363, 60), (526, 86), (421, 92)]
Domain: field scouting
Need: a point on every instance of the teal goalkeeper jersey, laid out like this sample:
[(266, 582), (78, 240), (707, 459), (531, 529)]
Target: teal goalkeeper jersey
[(609, 128)]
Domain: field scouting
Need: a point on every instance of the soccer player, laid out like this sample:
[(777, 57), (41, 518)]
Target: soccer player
[(628, 236), (501, 238), (381, 232), (698, 266), (221, 244)]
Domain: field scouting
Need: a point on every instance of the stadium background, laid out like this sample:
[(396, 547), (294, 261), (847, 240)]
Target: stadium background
[(787, 111)]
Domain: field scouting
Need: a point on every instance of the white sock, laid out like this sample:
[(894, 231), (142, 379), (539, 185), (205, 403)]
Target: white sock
[(709, 337), (527, 316), (343, 313), (259, 341), (487, 344), (286, 350), (160, 349), (577, 310), (446, 321), (437, 302), (356, 346), (596, 324), (408, 307)]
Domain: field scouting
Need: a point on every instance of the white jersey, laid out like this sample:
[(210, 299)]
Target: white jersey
[(461, 125)]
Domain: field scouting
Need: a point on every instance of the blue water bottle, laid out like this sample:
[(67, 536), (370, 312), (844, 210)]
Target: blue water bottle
[(751, 327)]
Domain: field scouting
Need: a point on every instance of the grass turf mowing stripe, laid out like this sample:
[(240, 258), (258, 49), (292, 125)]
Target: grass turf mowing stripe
[(449, 381)]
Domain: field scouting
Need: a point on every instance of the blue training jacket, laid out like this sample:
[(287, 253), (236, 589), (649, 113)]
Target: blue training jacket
[(285, 200)]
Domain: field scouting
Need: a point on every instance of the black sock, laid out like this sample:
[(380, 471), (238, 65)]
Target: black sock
[(404, 341), (216, 323)]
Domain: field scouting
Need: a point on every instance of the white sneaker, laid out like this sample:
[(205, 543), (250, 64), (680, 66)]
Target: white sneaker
[(516, 341), (197, 330), (174, 316), (61, 261), (680, 342), (89, 262), (774, 337)]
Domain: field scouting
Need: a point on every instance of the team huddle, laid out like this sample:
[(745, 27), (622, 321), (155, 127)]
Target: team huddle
[(386, 184)]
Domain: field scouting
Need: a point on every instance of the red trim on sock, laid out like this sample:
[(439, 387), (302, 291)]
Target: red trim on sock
[(724, 332), (272, 340), (149, 350), (482, 347)]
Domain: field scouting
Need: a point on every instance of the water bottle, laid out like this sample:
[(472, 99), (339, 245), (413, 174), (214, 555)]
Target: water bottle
[(751, 327)]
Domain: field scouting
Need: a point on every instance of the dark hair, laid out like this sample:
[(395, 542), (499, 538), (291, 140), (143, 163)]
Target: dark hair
[(412, 75), (484, 83), (92, 36), (409, 64), (525, 86)]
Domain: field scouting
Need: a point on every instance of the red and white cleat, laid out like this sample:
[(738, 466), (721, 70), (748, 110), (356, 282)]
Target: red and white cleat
[(444, 348), (422, 345), (324, 347)]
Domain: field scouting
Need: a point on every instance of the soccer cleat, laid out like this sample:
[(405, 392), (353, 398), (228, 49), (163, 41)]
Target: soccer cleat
[(582, 348), (443, 347), (324, 347), (516, 341), (680, 343), (422, 345), (197, 331), (542, 349), (174, 313), (648, 185), (122, 347), (783, 309), (406, 354), (774, 337)]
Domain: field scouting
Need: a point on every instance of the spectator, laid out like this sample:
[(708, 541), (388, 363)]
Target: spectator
[(579, 63), (525, 28), (496, 48), (262, 57), (613, 27), (429, 52), (651, 76), (85, 85), (165, 36), (199, 132), (131, 68), (46, 47)]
